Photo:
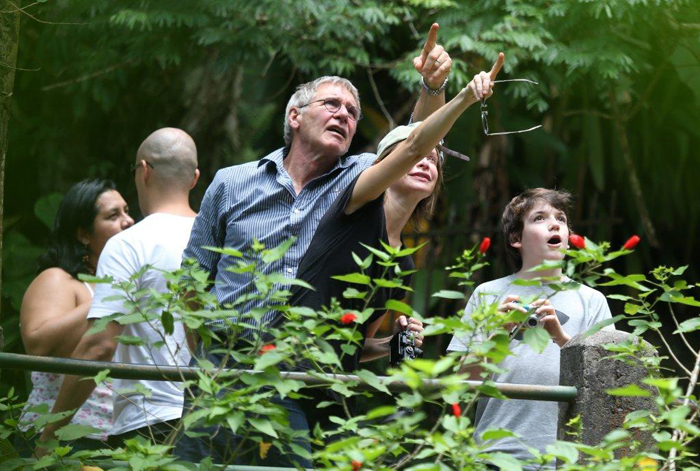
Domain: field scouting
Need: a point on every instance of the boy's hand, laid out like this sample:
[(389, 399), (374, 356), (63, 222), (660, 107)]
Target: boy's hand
[(411, 324), (550, 322), (512, 302)]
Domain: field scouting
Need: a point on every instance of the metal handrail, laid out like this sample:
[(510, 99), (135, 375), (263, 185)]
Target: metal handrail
[(72, 366)]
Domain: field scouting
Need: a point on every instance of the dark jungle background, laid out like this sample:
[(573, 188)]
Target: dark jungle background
[(618, 96)]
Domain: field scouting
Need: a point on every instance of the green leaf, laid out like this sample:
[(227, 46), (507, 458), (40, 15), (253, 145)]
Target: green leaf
[(620, 297), (129, 340), (680, 270), (263, 425), (75, 431), (386, 283), (272, 255), (235, 420), (447, 294), (357, 278), (632, 309), (565, 451), (378, 253), (537, 339), (523, 282), (504, 461), (352, 293), (547, 265), (101, 376), (399, 306), (270, 358), (687, 300), (224, 251), (691, 325), (373, 380), (630, 280), (380, 412), (631, 390), (168, 322), (348, 349), (495, 434), (409, 250), (667, 384)]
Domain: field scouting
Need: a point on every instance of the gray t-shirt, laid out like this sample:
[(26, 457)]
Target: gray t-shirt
[(534, 421)]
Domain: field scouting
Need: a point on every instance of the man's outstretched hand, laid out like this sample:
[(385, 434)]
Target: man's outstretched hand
[(433, 63)]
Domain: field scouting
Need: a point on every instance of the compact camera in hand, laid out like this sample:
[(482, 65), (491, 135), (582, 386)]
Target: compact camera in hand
[(533, 321), (403, 347)]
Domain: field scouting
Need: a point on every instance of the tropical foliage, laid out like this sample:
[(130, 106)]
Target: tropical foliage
[(422, 427)]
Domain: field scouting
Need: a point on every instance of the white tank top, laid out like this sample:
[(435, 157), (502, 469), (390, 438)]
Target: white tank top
[(95, 412)]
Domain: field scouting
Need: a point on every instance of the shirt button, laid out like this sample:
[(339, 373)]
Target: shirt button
[(296, 211), (290, 270)]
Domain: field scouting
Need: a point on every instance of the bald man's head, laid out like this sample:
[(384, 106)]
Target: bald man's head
[(173, 155)]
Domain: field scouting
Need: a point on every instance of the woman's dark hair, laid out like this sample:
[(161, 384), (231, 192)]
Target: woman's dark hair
[(77, 210)]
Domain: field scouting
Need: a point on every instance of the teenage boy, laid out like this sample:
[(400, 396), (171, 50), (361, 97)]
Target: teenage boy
[(536, 229)]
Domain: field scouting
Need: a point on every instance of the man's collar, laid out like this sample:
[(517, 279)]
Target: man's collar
[(277, 157)]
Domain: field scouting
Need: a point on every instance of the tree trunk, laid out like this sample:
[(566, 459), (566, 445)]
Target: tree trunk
[(635, 186), (9, 40)]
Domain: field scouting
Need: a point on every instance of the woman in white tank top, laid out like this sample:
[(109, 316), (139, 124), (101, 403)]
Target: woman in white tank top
[(55, 306)]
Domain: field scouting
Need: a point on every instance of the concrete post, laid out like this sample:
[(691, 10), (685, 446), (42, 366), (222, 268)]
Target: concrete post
[(583, 366)]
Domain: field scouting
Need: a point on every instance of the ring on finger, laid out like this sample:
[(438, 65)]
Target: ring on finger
[(437, 61)]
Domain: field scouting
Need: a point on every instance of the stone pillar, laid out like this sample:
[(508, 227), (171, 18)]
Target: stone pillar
[(583, 366)]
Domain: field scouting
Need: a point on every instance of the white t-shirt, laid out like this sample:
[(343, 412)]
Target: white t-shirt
[(159, 241), (535, 421)]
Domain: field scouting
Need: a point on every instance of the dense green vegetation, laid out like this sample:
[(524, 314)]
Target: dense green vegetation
[(618, 96)]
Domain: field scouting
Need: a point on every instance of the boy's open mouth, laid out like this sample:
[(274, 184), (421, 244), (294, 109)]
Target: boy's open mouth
[(554, 240)]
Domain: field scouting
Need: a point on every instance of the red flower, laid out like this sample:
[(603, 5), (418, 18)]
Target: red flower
[(577, 241), (356, 465), (485, 244), (456, 410), (267, 348), (631, 242), (348, 318)]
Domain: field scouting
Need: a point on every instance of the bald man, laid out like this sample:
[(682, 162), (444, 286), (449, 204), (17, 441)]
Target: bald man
[(164, 173)]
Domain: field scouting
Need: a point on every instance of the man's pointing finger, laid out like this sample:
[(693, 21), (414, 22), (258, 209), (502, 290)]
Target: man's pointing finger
[(432, 38)]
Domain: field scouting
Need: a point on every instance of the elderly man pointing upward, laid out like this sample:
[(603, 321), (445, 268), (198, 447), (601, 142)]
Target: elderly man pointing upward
[(283, 195)]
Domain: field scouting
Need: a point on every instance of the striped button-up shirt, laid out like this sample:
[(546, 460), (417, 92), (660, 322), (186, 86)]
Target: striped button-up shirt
[(257, 200)]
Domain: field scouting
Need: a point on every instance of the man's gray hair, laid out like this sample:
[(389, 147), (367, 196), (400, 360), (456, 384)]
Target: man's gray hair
[(306, 91)]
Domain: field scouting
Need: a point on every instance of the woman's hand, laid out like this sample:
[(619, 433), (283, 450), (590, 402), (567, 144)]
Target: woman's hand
[(412, 325), (481, 86)]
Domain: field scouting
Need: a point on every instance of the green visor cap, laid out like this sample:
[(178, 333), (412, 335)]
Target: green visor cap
[(401, 133)]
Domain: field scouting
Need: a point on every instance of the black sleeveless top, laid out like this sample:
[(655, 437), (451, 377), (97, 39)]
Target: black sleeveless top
[(330, 253)]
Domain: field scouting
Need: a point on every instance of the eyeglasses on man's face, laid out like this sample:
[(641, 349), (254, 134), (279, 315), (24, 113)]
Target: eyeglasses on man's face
[(136, 166), (333, 105), (485, 113)]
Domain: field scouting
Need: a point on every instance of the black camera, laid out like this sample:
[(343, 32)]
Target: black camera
[(403, 347)]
